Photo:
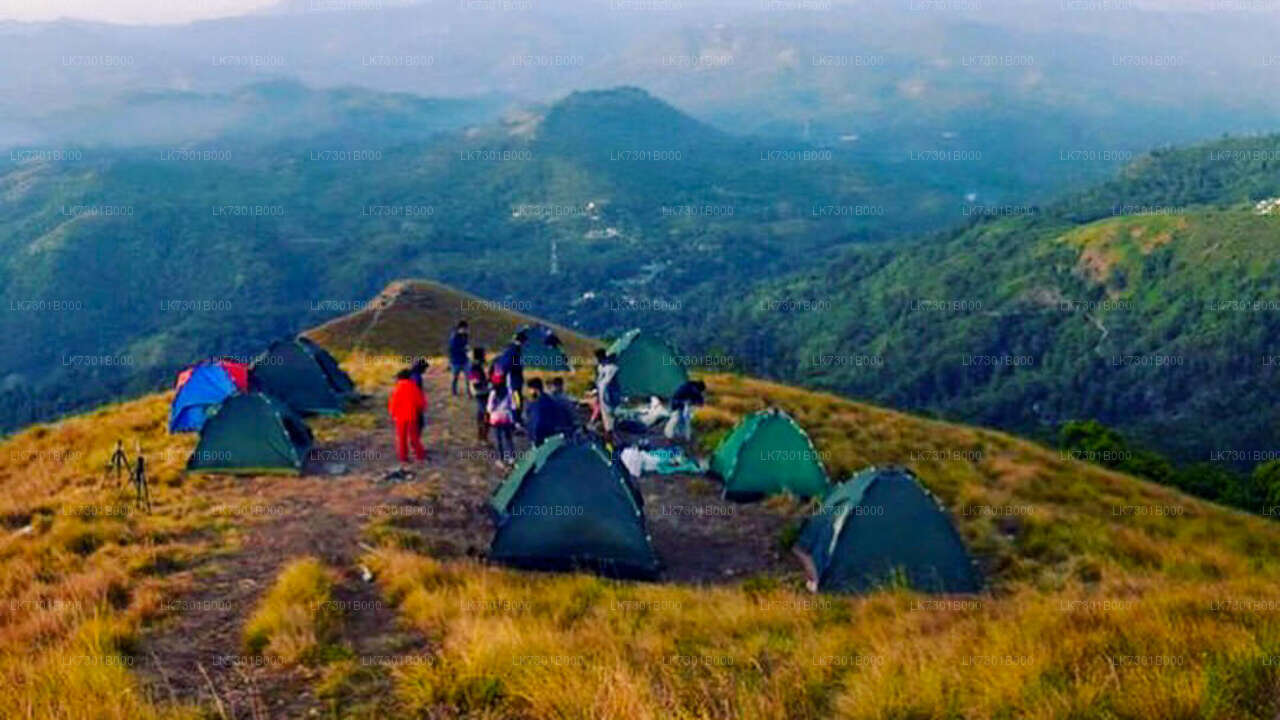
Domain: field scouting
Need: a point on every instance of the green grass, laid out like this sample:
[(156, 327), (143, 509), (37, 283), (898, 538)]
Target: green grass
[(297, 620)]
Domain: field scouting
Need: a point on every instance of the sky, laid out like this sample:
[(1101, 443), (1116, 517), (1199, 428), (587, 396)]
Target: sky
[(160, 12), (140, 12)]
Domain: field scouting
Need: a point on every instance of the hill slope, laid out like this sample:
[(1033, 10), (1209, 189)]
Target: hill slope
[(1160, 319), (1106, 592), (415, 317)]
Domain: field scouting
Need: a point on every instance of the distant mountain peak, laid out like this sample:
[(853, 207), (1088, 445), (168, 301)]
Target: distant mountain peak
[(626, 115)]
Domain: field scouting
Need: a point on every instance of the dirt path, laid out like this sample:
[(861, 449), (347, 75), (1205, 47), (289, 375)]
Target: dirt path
[(703, 539), (196, 655)]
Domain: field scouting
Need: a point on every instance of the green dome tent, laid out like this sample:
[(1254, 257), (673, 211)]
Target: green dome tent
[(767, 453), (338, 379), (252, 434), (882, 527), (303, 375), (647, 366), (543, 350), (568, 506)]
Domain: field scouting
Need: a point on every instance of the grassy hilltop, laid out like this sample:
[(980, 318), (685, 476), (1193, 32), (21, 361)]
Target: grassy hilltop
[(1109, 596)]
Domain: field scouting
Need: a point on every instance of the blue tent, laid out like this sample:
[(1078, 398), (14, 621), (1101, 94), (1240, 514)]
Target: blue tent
[(199, 388)]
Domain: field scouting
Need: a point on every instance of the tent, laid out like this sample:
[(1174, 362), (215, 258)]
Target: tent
[(569, 506), (543, 350), (251, 434), (647, 366), (202, 386), (768, 454), (339, 379), (303, 375), (882, 527)]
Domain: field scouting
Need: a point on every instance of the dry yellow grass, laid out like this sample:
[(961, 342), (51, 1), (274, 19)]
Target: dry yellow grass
[(1110, 597), (297, 617), (82, 569), (577, 646), (414, 317)]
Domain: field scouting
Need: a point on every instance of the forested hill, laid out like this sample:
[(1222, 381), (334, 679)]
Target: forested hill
[(122, 265), (1222, 174), (1151, 303)]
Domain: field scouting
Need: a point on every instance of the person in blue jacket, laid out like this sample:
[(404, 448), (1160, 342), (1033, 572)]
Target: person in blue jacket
[(459, 342), (546, 416)]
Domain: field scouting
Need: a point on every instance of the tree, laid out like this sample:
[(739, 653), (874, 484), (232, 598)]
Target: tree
[(1267, 478)]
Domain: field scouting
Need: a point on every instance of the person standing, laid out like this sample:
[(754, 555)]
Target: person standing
[(459, 341), (417, 370), (690, 394), (416, 373), (608, 393), (511, 366), (502, 417), (407, 405), (478, 386)]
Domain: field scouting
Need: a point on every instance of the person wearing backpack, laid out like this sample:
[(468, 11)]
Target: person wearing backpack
[(478, 386), (502, 416), (608, 393)]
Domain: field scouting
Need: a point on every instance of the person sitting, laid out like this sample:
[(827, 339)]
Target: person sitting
[(690, 394), (546, 416)]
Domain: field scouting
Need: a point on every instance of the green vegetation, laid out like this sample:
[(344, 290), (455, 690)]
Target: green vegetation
[(1160, 323), (1257, 492), (122, 266)]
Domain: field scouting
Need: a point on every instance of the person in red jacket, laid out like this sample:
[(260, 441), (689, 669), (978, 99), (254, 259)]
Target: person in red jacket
[(407, 406)]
